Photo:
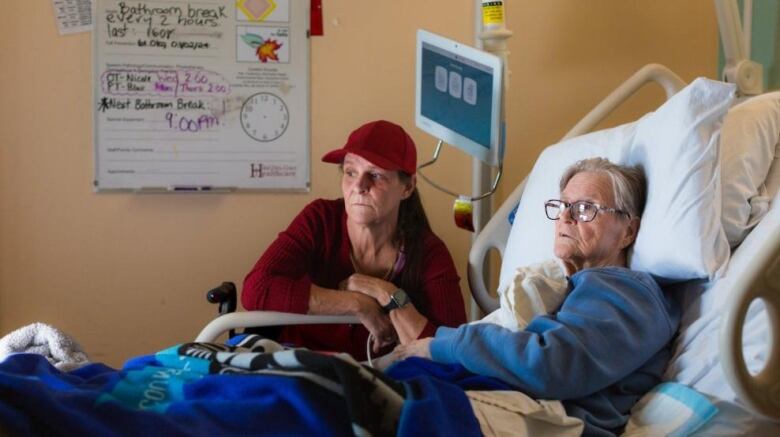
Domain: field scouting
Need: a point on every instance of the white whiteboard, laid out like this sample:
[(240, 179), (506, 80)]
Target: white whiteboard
[(201, 95)]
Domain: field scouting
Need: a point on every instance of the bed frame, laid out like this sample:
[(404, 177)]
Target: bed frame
[(761, 392)]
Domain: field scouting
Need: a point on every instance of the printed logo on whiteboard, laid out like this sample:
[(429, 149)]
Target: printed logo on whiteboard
[(259, 11), (263, 44)]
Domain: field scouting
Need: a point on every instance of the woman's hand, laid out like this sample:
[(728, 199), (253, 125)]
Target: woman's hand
[(376, 321), (407, 321), (364, 307), (417, 348), (379, 289)]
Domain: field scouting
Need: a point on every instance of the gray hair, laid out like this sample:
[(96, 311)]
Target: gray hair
[(628, 183)]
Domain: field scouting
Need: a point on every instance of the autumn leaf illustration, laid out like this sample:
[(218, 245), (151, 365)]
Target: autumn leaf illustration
[(265, 49), (268, 50)]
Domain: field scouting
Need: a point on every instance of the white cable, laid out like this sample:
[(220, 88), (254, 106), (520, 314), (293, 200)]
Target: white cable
[(368, 350)]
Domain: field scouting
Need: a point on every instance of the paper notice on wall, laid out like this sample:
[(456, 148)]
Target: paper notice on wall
[(73, 15), (201, 95)]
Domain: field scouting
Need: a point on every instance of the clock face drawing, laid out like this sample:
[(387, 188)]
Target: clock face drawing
[(265, 117)]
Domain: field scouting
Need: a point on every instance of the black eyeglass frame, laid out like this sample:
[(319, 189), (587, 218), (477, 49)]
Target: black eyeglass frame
[(579, 217)]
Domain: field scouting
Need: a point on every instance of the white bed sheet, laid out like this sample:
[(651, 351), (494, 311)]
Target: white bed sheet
[(696, 360)]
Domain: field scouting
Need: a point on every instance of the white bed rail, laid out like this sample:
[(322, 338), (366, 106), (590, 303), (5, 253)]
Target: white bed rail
[(670, 82), (496, 232), (761, 280), (255, 319)]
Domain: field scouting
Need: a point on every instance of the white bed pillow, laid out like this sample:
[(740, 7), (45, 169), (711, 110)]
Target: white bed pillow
[(772, 182), (750, 135), (531, 238), (681, 236)]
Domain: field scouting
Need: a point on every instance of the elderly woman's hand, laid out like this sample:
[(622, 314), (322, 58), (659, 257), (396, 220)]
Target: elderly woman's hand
[(417, 348)]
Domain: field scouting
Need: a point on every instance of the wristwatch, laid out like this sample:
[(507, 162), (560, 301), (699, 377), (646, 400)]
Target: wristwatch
[(397, 300)]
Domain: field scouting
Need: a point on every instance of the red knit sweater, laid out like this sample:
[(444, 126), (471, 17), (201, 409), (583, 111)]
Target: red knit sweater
[(315, 249)]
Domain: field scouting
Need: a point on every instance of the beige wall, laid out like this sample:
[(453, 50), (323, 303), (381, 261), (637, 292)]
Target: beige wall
[(126, 274)]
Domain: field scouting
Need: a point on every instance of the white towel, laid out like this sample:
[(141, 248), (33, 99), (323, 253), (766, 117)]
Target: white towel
[(534, 290), (60, 349)]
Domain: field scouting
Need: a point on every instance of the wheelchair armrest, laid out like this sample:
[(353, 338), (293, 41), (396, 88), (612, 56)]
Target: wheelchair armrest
[(252, 319)]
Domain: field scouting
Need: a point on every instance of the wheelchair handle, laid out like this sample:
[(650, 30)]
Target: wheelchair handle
[(225, 295)]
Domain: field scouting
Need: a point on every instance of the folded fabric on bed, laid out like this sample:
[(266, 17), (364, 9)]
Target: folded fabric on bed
[(499, 407), (670, 409), (210, 389), (60, 349)]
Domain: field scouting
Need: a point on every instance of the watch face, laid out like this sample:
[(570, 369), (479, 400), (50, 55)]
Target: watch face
[(397, 300), (400, 297), (265, 117)]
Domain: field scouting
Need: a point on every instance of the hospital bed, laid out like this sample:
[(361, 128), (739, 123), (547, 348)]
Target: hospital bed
[(726, 352), (727, 348)]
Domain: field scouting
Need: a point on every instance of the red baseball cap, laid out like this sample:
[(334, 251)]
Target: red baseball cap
[(381, 142)]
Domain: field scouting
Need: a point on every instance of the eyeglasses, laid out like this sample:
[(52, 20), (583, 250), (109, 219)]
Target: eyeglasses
[(581, 210)]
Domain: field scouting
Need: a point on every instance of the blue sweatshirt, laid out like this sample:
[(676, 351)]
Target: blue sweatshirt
[(606, 346)]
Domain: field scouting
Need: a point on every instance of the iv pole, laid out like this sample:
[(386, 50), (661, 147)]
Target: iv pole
[(491, 35), (493, 39)]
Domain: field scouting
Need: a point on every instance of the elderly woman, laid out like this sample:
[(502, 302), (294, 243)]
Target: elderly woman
[(608, 343), (371, 254)]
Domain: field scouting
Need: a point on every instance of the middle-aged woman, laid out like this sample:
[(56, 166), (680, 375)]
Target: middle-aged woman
[(371, 254), (609, 341)]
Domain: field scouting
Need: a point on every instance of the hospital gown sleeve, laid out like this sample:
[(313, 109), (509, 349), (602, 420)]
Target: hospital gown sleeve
[(612, 322)]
